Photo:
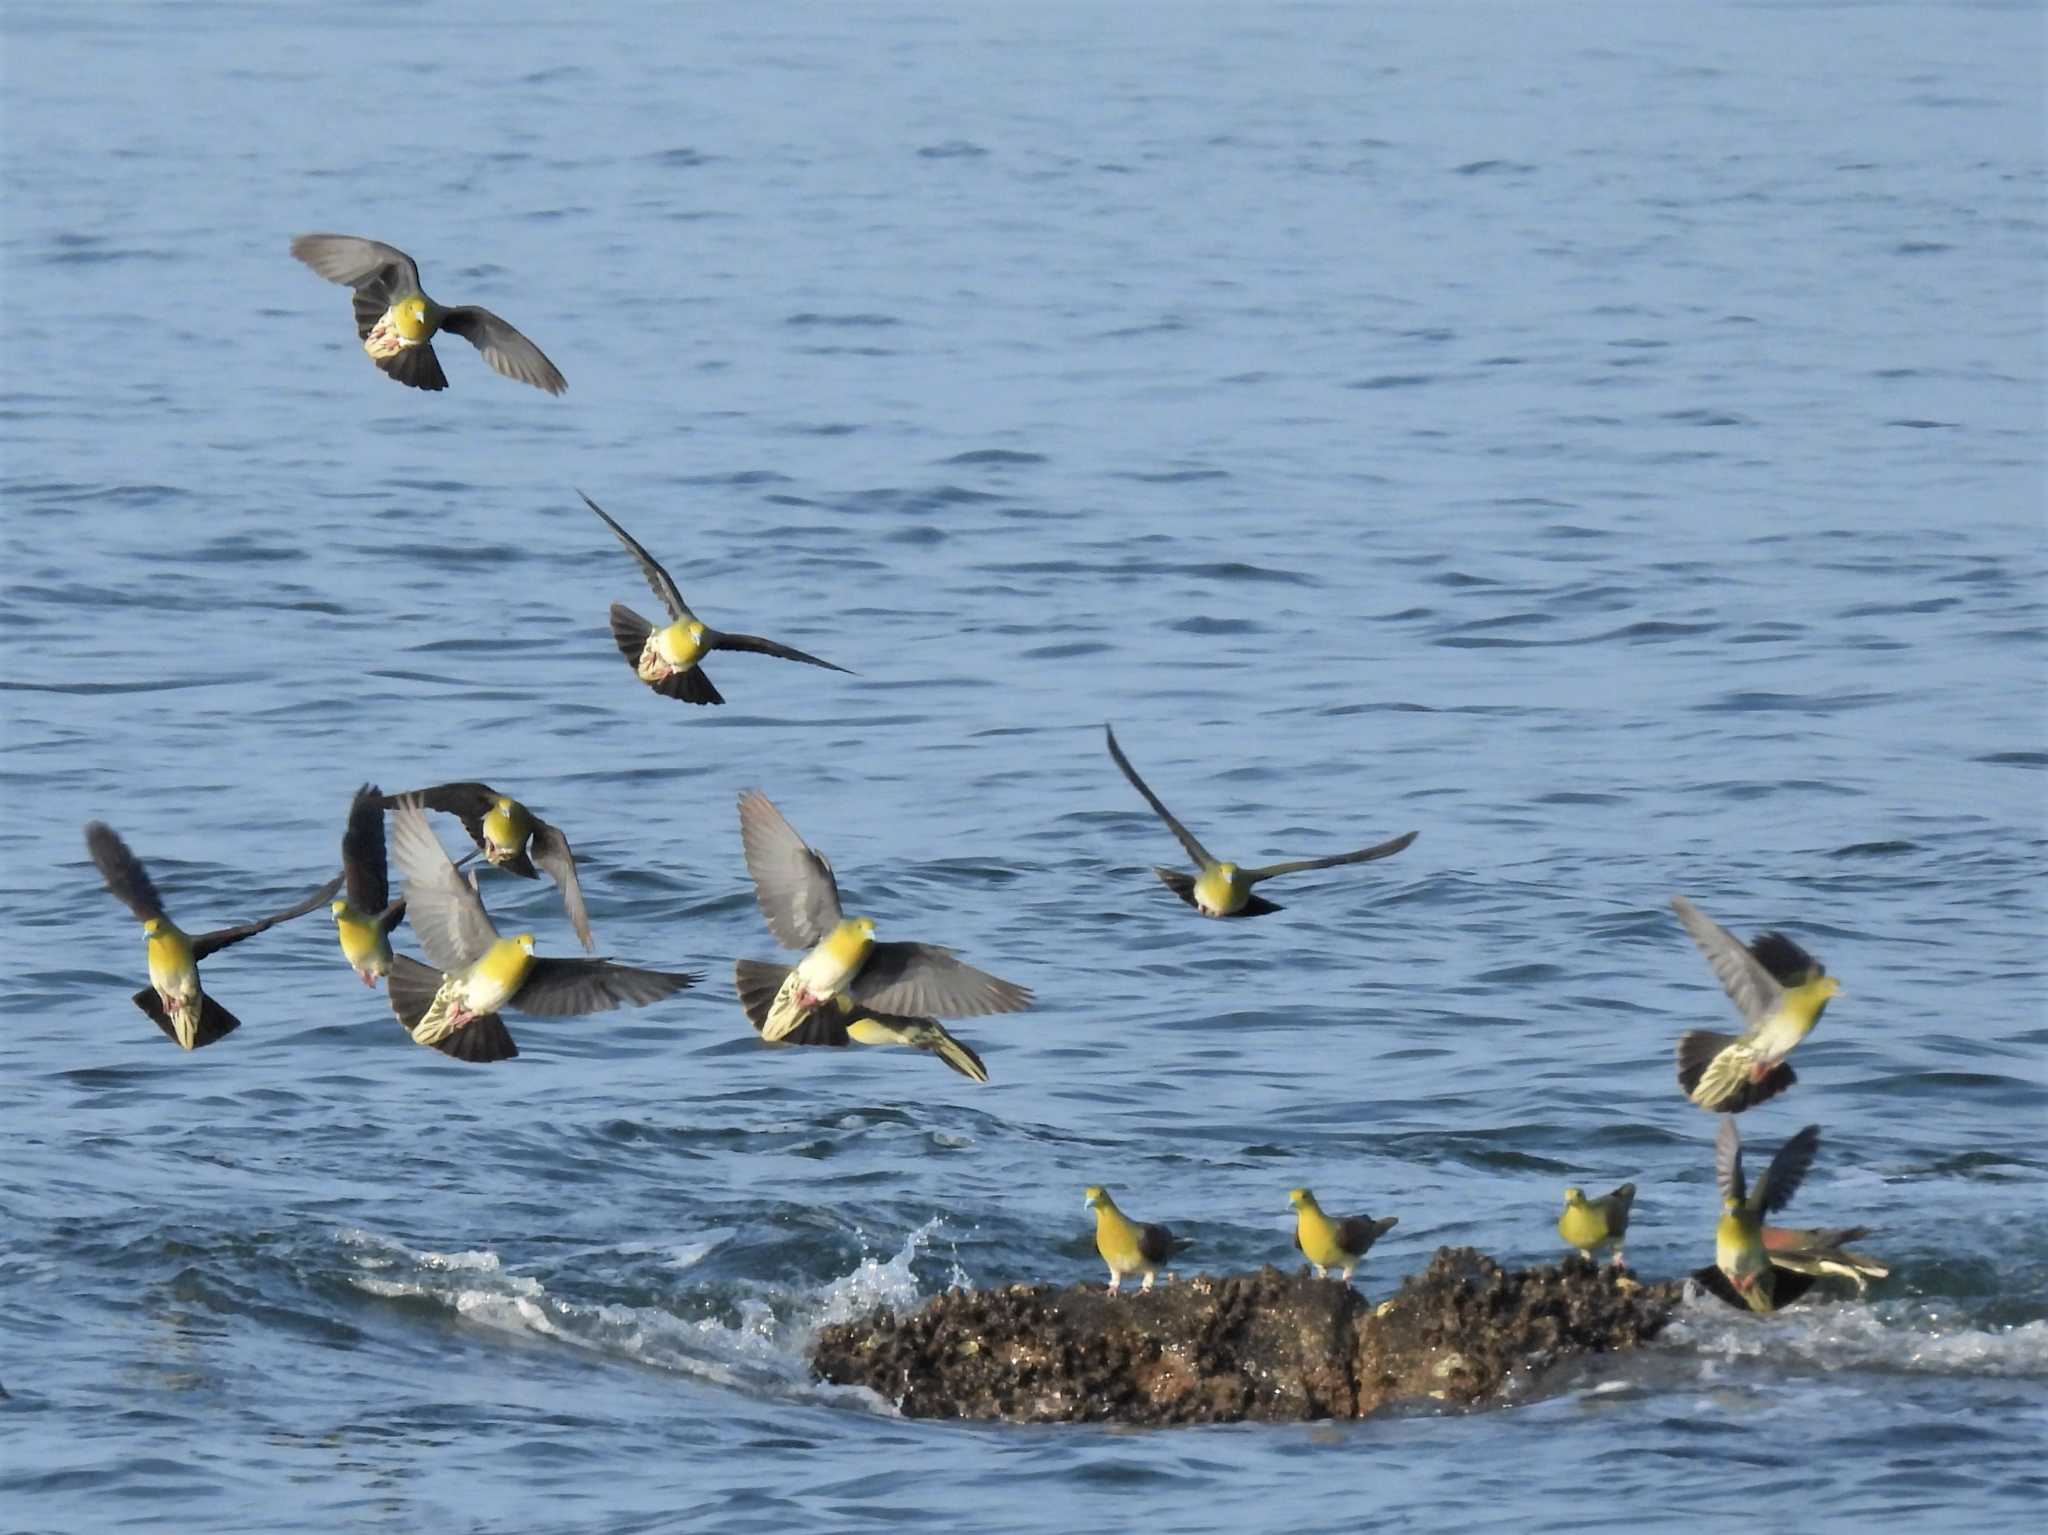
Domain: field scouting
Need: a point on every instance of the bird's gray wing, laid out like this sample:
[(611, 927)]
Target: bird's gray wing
[(1781, 1180), (444, 908), (1157, 1243), (363, 864), (1195, 849), (1357, 1233), (550, 849), (1748, 984), (503, 347), (213, 942), (658, 579), (1363, 855), (753, 643), (123, 871), (569, 988), (359, 263), (469, 803), (793, 883), (927, 981), (1728, 1161)]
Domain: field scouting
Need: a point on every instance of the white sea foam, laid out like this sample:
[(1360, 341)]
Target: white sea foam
[(762, 1348), (1917, 1336)]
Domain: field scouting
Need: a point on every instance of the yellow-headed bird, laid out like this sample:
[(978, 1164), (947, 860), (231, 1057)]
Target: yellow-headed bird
[(1591, 1224), (666, 659), (1824, 1253), (1779, 989), (511, 837), (453, 1006), (840, 1022), (800, 900), (365, 914), (1742, 1264), (397, 322), (1334, 1244), (1126, 1246), (174, 1000), (1222, 889)]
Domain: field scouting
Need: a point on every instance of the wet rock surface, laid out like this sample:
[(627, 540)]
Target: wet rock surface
[(1263, 1347)]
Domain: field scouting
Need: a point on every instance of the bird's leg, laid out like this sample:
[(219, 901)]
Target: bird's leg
[(369, 980), (1147, 1285), (1619, 1261), (1321, 1272), (1115, 1281), (1347, 1276)]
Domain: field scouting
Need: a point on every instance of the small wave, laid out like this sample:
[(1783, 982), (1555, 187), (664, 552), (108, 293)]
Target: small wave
[(1906, 1336), (757, 1340)]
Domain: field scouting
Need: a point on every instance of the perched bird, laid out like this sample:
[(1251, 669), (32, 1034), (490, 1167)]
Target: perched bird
[(453, 1005), (840, 1022), (800, 900), (1126, 1246), (512, 838), (173, 999), (1779, 989), (666, 659), (1591, 1224), (1334, 1244), (1824, 1253), (1222, 889), (365, 915), (1742, 1264), (397, 322)]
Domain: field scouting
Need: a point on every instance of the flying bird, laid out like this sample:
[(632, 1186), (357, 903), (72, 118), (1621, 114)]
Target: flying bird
[(365, 914), (397, 322), (1334, 1244), (511, 837), (1779, 989), (1591, 1224), (1222, 889), (174, 1000), (800, 900), (666, 659), (1126, 1246), (1743, 1273), (453, 1004), (840, 1022)]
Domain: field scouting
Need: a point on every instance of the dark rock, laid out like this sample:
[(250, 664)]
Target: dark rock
[(1266, 1347)]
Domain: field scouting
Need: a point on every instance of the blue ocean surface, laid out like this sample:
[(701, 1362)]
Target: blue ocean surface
[(1605, 438)]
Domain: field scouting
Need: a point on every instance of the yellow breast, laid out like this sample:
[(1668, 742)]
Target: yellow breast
[(1116, 1238), (1219, 892), (1582, 1226), (680, 644), (505, 828), (1317, 1234), (496, 978), (172, 970)]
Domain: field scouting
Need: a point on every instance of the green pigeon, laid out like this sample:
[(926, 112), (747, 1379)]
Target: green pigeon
[(1779, 989), (1222, 889), (666, 658), (1743, 1274), (1591, 1224), (397, 322), (1328, 1243)]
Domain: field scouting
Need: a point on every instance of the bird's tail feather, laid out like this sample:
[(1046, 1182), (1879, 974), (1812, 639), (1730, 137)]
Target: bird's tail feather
[(215, 1021), (480, 1041), (758, 982), (957, 1055), (415, 366), (1698, 1049)]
